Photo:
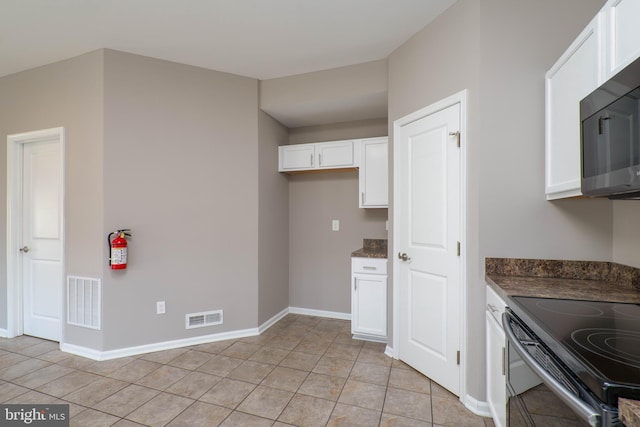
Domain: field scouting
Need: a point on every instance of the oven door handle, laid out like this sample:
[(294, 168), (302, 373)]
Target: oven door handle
[(585, 411)]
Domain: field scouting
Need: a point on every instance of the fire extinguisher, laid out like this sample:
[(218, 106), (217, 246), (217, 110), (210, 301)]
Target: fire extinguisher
[(118, 249)]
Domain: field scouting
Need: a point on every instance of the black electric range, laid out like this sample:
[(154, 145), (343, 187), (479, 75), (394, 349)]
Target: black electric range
[(599, 342)]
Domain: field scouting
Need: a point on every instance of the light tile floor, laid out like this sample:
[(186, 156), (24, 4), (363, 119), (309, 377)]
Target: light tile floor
[(303, 371)]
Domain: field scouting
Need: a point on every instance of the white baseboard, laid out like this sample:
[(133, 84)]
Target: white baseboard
[(476, 406), (320, 313), (150, 348), (269, 323), (388, 351), (4, 333), (204, 339)]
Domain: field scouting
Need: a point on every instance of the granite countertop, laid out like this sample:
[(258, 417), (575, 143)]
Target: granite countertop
[(585, 280), (629, 412), (371, 248)]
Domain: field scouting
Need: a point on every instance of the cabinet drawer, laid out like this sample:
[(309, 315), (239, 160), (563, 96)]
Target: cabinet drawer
[(495, 305), (369, 265)]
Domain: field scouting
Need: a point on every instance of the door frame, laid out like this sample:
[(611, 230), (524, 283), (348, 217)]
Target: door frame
[(15, 151), (462, 99)]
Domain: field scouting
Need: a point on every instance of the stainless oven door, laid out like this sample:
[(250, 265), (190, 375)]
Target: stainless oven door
[(539, 392)]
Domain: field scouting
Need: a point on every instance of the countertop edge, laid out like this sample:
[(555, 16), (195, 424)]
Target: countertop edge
[(362, 253), (629, 411)]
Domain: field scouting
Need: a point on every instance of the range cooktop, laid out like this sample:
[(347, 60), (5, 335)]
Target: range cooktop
[(598, 341)]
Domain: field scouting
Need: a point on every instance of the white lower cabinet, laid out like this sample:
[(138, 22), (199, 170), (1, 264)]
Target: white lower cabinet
[(496, 373), (369, 299)]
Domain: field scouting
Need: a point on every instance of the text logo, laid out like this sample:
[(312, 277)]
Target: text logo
[(34, 415)]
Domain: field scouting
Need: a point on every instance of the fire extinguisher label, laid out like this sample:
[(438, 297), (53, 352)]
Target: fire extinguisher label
[(118, 256)]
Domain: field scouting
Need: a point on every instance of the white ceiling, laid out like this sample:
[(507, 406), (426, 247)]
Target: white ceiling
[(257, 38)]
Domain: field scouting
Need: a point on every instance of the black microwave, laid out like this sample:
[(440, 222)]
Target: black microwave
[(610, 137)]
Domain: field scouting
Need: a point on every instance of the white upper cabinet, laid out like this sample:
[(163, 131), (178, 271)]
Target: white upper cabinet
[(610, 42), (370, 155), (337, 154), (296, 157), (622, 35), (576, 74), (319, 155), (374, 173)]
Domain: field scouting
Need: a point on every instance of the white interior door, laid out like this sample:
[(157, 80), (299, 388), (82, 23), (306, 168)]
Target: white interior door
[(41, 245), (428, 227)]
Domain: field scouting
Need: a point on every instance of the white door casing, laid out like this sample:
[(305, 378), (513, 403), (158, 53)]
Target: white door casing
[(429, 291), (35, 198)]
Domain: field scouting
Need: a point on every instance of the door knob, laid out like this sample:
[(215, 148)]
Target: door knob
[(403, 256), (24, 249)]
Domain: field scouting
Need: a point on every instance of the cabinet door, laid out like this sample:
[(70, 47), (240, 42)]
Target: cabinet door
[(573, 77), (496, 379), (374, 174), (335, 154), (623, 34), (295, 157), (369, 305)]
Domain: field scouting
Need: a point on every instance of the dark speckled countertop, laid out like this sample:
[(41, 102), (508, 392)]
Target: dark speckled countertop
[(371, 248), (585, 280)]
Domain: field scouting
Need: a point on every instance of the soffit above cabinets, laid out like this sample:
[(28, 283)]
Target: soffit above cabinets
[(345, 94)]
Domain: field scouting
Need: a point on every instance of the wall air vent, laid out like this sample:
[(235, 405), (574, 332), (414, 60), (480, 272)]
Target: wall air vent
[(84, 302), (199, 320)]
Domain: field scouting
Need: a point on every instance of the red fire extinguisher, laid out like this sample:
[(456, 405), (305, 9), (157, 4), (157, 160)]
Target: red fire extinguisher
[(118, 249)]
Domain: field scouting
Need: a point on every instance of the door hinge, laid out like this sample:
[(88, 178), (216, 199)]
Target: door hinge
[(458, 249), (457, 135), (504, 362), (458, 357)]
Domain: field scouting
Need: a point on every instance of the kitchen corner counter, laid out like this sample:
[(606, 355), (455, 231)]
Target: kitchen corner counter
[(371, 248), (629, 412), (584, 280), (579, 280)]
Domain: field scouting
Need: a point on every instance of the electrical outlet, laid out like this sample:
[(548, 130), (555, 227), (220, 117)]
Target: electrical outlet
[(161, 308), (335, 225)]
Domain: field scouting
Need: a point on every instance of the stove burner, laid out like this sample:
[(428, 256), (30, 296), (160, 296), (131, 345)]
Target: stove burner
[(570, 308), (629, 310), (616, 345)]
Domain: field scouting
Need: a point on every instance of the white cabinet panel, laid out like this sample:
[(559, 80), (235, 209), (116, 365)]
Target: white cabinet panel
[(576, 74), (335, 154), (314, 156), (296, 157), (374, 173), (496, 379), (369, 299), (623, 34)]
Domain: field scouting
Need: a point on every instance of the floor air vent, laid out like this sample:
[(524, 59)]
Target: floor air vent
[(208, 318)]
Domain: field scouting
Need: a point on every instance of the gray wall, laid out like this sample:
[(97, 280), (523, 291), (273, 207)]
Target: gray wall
[(320, 263), (273, 221), (500, 50), (69, 94), (181, 170), (626, 233)]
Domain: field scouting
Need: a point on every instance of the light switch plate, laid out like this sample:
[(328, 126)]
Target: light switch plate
[(335, 225), (161, 307)]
